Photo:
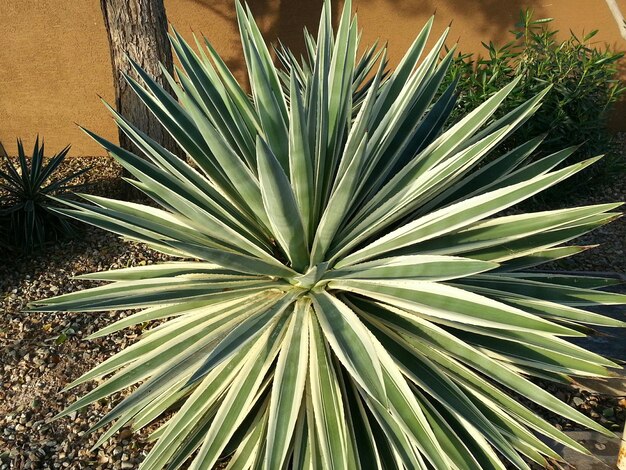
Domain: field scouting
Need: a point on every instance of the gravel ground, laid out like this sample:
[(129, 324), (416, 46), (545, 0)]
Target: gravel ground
[(42, 353)]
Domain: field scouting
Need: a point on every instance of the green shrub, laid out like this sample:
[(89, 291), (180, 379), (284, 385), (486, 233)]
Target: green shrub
[(27, 218), (355, 300), (583, 79)]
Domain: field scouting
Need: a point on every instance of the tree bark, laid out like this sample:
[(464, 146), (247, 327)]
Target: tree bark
[(138, 28)]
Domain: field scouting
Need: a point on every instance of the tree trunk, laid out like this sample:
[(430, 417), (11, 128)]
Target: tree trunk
[(138, 28)]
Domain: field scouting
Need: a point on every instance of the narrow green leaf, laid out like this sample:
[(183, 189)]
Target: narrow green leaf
[(327, 414), (419, 267), (288, 387), (281, 207)]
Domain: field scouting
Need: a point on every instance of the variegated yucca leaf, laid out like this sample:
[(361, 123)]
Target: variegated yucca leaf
[(349, 293)]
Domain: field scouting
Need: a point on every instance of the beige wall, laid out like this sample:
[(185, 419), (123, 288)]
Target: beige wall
[(54, 59)]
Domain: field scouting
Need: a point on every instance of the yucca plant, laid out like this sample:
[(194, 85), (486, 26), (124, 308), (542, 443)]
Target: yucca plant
[(26, 216), (350, 293)]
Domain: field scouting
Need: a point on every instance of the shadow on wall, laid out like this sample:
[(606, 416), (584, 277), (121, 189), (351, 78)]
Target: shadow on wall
[(490, 20), (277, 19)]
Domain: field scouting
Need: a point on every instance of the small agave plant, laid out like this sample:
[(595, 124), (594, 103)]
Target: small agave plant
[(349, 294), (27, 187)]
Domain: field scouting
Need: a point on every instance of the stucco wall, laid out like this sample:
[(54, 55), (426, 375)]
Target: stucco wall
[(54, 59)]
